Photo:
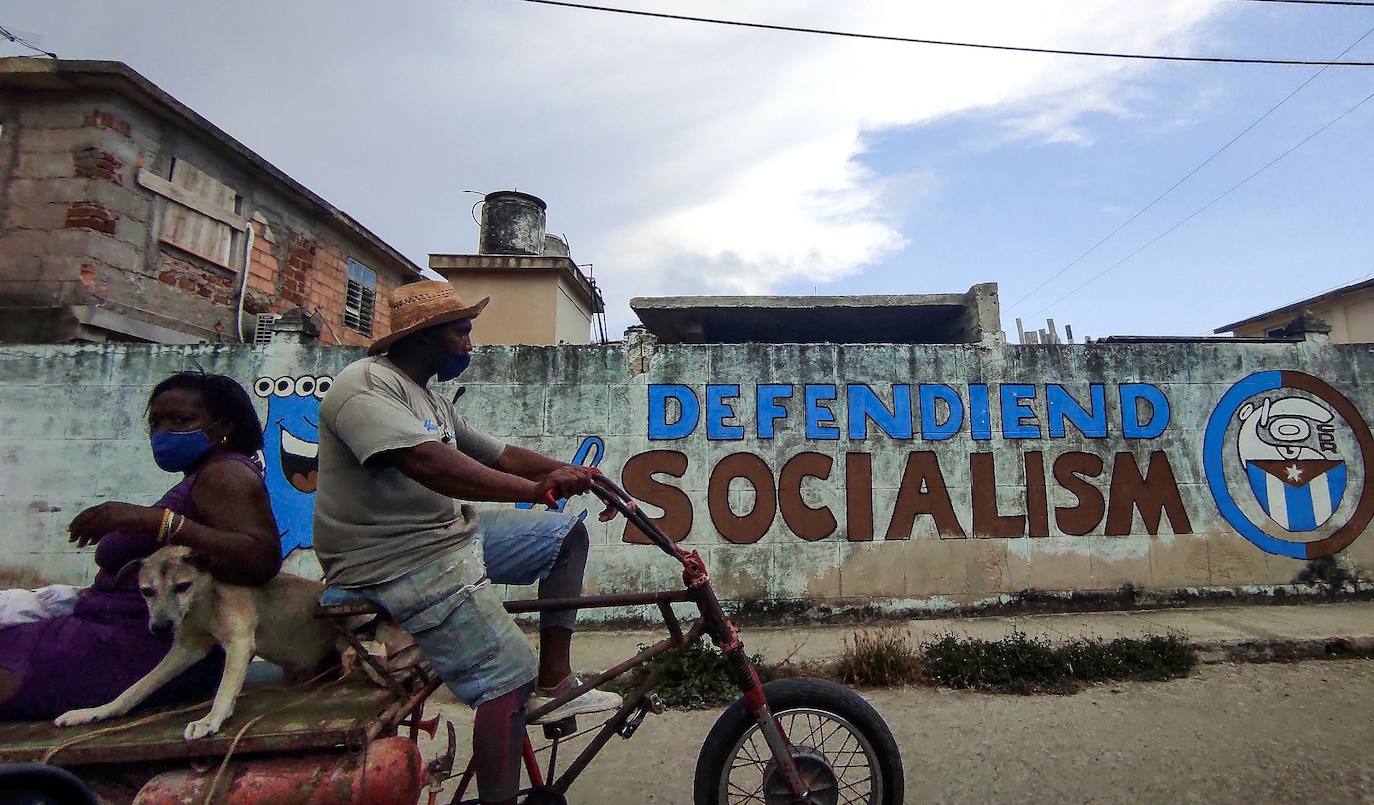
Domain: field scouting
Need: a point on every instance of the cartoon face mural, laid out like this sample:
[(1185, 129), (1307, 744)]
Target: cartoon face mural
[(291, 451), (1293, 434)]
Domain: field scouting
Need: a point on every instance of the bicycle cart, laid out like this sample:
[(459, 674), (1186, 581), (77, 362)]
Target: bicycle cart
[(805, 741)]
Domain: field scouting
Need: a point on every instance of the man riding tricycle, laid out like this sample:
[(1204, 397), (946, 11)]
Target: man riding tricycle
[(395, 460)]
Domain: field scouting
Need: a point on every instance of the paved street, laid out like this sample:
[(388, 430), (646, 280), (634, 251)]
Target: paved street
[(1247, 733)]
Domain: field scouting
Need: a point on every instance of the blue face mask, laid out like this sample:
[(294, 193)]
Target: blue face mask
[(455, 364), (178, 451)]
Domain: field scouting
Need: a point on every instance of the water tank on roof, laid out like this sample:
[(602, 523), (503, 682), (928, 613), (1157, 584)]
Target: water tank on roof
[(555, 246), (512, 223)]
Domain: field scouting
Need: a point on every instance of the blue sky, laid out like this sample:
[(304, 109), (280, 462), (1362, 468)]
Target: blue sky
[(694, 159)]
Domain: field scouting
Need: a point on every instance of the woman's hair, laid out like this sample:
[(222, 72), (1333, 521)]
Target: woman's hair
[(224, 400)]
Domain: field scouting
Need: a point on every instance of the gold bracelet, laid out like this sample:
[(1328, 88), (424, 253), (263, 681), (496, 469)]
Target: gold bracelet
[(165, 527)]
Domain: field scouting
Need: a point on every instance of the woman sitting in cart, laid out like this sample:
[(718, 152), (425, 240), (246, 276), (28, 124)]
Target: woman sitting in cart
[(61, 652)]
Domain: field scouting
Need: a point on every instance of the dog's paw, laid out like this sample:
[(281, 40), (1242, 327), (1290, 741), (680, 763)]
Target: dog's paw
[(201, 729), (73, 718)]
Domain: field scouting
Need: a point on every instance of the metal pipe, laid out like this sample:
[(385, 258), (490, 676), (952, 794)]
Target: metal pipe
[(243, 280), (598, 601), (632, 703), (606, 676)]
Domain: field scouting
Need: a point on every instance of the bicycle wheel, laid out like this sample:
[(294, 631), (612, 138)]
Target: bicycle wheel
[(843, 749)]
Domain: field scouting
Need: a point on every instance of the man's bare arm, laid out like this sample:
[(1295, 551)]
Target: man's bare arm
[(526, 463), (451, 472)]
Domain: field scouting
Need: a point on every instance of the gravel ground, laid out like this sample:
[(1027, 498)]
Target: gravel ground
[(1229, 733)]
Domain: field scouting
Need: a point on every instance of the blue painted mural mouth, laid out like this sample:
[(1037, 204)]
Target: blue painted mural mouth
[(300, 462)]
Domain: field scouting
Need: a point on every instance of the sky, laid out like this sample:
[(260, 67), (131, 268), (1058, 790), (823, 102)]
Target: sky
[(684, 158)]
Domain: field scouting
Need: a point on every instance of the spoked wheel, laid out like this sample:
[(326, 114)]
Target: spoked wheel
[(841, 745)]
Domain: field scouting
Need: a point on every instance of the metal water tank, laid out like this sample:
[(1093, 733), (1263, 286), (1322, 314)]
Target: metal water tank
[(512, 223)]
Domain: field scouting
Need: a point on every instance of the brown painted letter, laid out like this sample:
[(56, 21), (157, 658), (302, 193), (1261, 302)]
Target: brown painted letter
[(1068, 471), (858, 496), (805, 522), (923, 471), (1037, 499), (638, 480), (1154, 495), (752, 526), (987, 522)]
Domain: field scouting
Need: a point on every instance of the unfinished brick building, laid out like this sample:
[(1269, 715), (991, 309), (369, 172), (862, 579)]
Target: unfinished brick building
[(126, 216)]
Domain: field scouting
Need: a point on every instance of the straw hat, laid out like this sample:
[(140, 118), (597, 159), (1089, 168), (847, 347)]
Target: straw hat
[(423, 304)]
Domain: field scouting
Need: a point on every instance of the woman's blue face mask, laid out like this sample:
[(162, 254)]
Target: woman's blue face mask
[(178, 451), (455, 364)]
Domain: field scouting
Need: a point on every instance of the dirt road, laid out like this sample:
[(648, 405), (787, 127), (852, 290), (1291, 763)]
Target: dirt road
[(1251, 733)]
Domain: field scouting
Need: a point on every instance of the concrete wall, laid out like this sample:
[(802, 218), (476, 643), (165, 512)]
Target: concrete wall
[(77, 228), (1062, 468), (572, 321), (522, 308)]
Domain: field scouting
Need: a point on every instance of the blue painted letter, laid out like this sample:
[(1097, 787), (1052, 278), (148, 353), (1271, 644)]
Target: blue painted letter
[(865, 405), (660, 428), (979, 411), (1015, 412), (931, 428), (718, 410), (820, 421), (769, 411), (1061, 406), (1131, 426)]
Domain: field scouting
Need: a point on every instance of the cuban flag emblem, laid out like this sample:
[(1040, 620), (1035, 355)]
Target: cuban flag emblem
[(1288, 448)]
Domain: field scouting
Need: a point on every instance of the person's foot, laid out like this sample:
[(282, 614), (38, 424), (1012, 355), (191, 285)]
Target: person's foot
[(593, 701)]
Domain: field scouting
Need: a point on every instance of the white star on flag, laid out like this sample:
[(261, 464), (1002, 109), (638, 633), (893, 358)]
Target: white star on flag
[(1294, 474)]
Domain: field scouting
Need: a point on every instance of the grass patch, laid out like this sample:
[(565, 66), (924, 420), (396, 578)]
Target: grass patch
[(1021, 664), (880, 657)]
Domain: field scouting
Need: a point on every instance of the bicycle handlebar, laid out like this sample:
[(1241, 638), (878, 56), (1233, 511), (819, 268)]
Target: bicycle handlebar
[(618, 499)]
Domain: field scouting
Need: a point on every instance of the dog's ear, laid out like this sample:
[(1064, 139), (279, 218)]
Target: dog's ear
[(198, 561), (130, 567)]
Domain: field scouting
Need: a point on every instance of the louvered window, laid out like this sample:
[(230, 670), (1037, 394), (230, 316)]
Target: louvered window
[(361, 298)]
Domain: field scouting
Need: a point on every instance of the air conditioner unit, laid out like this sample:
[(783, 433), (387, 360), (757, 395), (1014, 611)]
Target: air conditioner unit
[(262, 328)]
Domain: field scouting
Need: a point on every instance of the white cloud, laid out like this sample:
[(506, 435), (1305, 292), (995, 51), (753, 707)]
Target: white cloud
[(679, 157)]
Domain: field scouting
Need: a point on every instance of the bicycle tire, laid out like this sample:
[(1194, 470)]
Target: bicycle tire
[(801, 694)]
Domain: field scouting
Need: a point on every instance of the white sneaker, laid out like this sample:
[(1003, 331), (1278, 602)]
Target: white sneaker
[(593, 701)]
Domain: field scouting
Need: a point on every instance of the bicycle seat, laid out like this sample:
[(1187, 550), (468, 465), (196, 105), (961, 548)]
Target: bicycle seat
[(341, 601)]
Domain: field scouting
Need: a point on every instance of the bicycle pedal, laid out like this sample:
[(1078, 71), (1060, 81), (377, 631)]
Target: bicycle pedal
[(560, 729)]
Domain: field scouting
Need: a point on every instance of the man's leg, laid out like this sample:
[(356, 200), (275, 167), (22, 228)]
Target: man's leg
[(556, 627), (498, 732)]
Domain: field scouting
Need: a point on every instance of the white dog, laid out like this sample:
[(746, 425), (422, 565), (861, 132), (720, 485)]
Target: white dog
[(274, 620)]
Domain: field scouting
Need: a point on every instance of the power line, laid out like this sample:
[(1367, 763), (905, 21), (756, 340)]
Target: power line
[(19, 40), (1099, 275), (1186, 177), (946, 43), (1318, 2)]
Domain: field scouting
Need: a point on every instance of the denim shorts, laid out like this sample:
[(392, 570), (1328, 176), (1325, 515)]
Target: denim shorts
[(455, 614)]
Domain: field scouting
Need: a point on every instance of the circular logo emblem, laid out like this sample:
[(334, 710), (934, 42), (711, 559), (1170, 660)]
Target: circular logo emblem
[(1296, 461)]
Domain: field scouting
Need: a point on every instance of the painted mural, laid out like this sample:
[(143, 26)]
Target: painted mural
[(1296, 440), (1285, 435), (291, 451)]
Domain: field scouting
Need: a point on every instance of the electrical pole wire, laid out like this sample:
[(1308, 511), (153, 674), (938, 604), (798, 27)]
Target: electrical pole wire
[(949, 43)]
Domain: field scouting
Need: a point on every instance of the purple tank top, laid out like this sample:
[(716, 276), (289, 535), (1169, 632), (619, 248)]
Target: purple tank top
[(117, 549)]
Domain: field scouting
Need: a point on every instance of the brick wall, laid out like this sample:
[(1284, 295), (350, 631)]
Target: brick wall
[(77, 228)]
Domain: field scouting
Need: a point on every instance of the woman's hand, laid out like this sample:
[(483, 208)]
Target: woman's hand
[(89, 526)]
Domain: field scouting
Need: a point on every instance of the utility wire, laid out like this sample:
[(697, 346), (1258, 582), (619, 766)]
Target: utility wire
[(1318, 2), (1099, 275), (1185, 178), (946, 43), (19, 40)]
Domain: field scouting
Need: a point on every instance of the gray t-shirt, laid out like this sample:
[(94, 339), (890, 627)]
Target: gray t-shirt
[(374, 524)]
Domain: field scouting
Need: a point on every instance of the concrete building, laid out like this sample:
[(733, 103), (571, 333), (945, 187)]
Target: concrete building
[(957, 318), (539, 296), (1348, 310), (126, 216)]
